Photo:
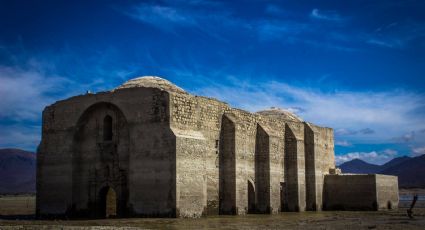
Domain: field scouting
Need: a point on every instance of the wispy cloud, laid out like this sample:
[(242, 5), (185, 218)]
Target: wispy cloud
[(397, 35), (393, 43), (325, 15), (278, 30), (164, 17), (372, 157), (347, 132), (367, 131), (221, 22), (274, 10), (343, 143)]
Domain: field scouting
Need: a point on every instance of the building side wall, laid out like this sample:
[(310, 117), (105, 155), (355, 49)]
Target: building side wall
[(205, 115), (350, 192), (246, 127), (319, 152), (54, 171), (192, 114), (191, 181), (311, 168), (262, 170), (387, 192), (274, 155), (295, 176)]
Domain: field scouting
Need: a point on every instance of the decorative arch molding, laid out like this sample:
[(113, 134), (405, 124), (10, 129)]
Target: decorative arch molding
[(82, 120)]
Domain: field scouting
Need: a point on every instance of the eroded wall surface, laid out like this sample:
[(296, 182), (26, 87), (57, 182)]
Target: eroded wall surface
[(387, 192), (72, 171), (176, 154), (360, 192), (350, 192)]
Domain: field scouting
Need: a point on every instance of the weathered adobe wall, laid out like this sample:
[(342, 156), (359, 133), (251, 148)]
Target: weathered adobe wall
[(151, 178), (350, 192), (387, 192)]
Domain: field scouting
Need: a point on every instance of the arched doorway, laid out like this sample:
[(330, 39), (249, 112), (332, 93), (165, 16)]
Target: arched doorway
[(108, 203), (251, 197)]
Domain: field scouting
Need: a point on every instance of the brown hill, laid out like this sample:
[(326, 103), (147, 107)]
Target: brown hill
[(17, 170), (410, 171)]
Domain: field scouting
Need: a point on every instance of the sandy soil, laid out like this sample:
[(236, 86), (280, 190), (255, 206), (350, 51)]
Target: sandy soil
[(395, 219)]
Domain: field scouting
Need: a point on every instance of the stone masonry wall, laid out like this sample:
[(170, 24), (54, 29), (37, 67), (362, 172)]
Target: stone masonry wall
[(151, 179), (175, 170), (350, 192), (387, 192), (319, 152)]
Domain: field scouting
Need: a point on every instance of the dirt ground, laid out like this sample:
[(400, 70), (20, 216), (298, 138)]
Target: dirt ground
[(396, 219), (17, 205)]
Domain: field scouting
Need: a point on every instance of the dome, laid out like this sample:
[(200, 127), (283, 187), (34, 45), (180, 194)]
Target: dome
[(151, 82), (279, 113)]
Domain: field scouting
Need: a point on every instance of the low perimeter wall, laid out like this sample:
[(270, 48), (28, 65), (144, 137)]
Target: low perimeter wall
[(360, 192)]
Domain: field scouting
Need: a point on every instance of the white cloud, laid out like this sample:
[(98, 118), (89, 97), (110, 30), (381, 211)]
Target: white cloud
[(27, 89), (373, 157), (407, 137), (24, 93), (20, 136), (385, 113), (418, 151)]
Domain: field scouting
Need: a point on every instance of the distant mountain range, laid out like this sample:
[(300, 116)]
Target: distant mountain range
[(17, 171), (410, 170)]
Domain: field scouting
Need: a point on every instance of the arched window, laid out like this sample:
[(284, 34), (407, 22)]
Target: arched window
[(107, 128)]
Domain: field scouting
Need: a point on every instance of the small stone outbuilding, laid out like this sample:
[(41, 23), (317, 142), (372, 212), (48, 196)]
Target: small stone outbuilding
[(149, 149)]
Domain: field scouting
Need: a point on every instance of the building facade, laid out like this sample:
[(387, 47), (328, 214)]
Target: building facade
[(148, 148)]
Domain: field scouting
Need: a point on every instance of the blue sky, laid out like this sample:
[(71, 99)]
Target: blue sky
[(355, 66)]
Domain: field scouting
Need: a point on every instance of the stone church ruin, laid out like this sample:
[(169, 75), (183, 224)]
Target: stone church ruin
[(149, 149)]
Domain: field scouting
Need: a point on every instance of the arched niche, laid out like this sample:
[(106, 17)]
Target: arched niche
[(227, 167), (107, 128), (100, 156)]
